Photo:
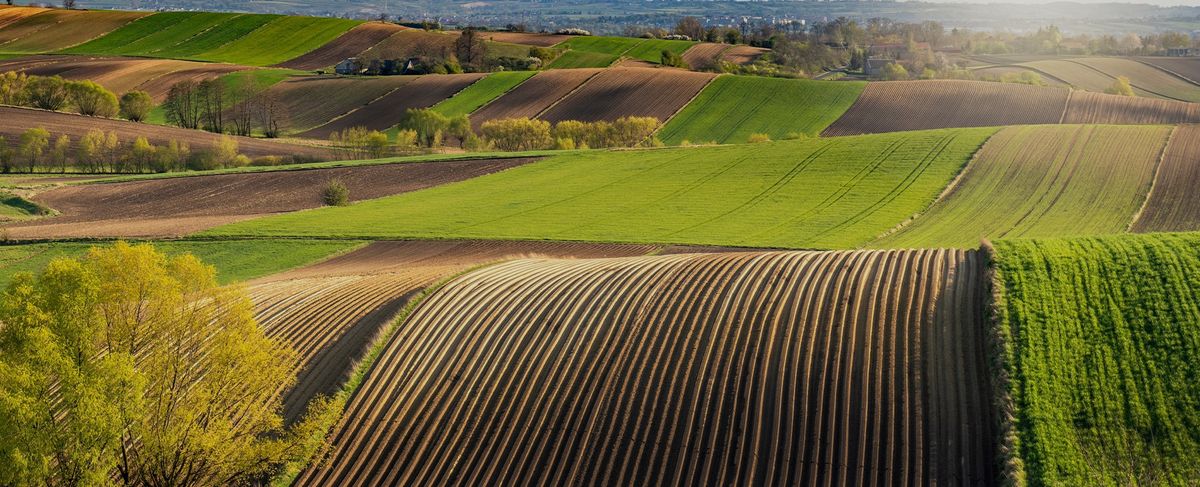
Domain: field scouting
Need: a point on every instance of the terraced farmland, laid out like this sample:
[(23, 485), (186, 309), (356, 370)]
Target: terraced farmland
[(711, 369), (352, 43), (482, 92), (534, 96), (1101, 351), (176, 206), (916, 105), (280, 40), (819, 193), (624, 92), (386, 111), (731, 108), (53, 30), (1173, 205), (1041, 182)]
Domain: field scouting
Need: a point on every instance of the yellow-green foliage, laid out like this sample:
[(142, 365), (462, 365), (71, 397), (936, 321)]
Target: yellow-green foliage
[(1103, 339)]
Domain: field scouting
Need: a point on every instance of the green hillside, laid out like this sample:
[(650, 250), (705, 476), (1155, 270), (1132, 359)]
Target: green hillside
[(582, 59), (637, 48), (1103, 339), (818, 193), (224, 33), (731, 108), (153, 33), (280, 40)]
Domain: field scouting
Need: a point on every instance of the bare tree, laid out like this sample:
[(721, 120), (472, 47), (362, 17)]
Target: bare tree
[(271, 113), (67, 4)]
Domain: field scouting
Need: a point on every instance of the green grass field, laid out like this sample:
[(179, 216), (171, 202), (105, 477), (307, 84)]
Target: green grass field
[(481, 92), (817, 193), (1044, 181), (233, 29), (261, 78), (583, 59), (644, 49), (149, 35), (731, 108), (1102, 353), (235, 260), (652, 49), (280, 40)]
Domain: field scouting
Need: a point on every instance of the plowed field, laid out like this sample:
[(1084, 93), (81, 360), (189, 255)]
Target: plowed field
[(350, 44), (405, 43), (802, 368), (330, 311), (895, 106), (17, 120), (312, 102), (623, 92), (120, 74), (1153, 81), (1174, 203), (178, 206), (1188, 68), (10, 14), (704, 54), (387, 111), (1046, 181), (534, 96), (1113, 109), (59, 29), (526, 38)]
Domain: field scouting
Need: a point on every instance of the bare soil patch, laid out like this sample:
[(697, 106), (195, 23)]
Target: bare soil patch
[(315, 101), (534, 96), (386, 112), (526, 38), (623, 92), (351, 44)]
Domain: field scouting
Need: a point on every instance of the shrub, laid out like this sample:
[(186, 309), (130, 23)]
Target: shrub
[(632, 132), (428, 125), (47, 93), (673, 59), (564, 144), (12, 88), (336, 193), (475, 143), (544, 53), (34, 143), (136, 105), (894, 72), (266, 161), (518, 134), (758, 138), (1120, 87), (92, 99), (406, 139)]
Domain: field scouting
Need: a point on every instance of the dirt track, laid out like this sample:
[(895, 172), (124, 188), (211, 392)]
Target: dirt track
[(179, 206), (351, 44), (17, 120), (1174, 204), (386, 112), (623, 92), (796, 368)]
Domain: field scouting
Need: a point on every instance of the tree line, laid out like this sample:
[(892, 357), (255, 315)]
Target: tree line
[(97, 151), (238, 107), (83, 97)]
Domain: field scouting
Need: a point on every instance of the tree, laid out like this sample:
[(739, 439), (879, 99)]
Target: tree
[(270, 112), (211, 95), (142, 154), (518, 134), (1120, 86), (136, 105), (691, 27), (12, 88), (67, 4), (225, 152), (673, 59), (47, 92), (92, 99), (894, 72), (89, 153), (428, 124), (60, 155), (183, 105), (5, 155), (133, 362), (34, 143), (470, 48)]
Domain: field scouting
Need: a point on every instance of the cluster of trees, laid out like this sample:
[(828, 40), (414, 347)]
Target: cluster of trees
[(84, 97), (1051, 40), (238, 107), (130, 367), (469, 52), (37, 150)]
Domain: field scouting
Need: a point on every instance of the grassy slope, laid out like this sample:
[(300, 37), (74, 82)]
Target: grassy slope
[(822, 193), (228, 31), (149, 35), (1044, 181), (481, 92), (644, 49), (733, 107), (235, 260), (583, 59), (280, 40), (1102, 356), (116, 40)]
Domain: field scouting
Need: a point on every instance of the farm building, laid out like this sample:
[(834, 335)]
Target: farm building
[(1183, 52)]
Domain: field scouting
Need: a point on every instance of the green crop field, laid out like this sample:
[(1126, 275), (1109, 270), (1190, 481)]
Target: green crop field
[(233, 29), (731, 108), (280, 40), (1102, 354), (1044, 181), (644, 49), (818, 193), (148, 35), (235, 260), (652, 49), (481, 92), (583, 59)]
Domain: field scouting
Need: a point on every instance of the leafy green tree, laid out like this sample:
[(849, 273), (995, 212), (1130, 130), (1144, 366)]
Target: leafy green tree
[(517, 134), (47, 92), (673, 59), (60, 155), (34, 143), (12, 88), (136, 105), (92, 99), (132, 364), (429, 125), (894, 72)]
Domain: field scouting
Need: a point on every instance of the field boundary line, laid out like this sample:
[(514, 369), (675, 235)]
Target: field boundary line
[(998, 349), (198, 34), (1162, 156), (1066, 106), (569, 93), (380, 97), (949, 190), (1168, 71), (1143, 88), (684, 106), (497, 97)]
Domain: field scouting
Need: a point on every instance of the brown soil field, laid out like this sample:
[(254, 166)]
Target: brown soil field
[(70, 28), (386, 112), (623, 92), (404, 43), (1086, 107), (526, 38), (743, 54), (121, 74), (351, 44), (894, 106), (10, 13), (1186, 68), (788, 368), (331, 311), (312, 102), (183, 205), (1174, 204), (17, 120), (704, 54), (534, 96), (159, 86)]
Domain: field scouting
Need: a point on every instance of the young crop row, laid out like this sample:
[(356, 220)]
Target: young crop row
[(809, 368)]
